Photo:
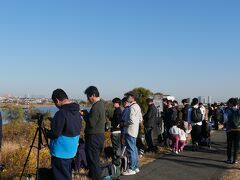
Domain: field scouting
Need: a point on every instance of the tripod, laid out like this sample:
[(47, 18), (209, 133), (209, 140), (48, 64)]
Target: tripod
[(39, 133)]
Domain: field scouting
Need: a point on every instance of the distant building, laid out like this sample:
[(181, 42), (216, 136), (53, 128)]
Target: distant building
[(200, 99), (209, 101)]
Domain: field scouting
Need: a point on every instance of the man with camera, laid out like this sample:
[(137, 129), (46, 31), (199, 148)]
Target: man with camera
[(64, 135)]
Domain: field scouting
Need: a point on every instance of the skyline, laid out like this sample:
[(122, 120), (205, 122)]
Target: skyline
[(185, 49)]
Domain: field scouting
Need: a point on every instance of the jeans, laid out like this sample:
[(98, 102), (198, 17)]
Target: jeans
[(132, 151)]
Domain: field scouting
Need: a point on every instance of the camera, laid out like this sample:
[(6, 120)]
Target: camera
[(39, 117)]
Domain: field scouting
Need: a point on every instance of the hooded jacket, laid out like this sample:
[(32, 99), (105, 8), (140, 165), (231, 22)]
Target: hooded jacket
[(65, 131)]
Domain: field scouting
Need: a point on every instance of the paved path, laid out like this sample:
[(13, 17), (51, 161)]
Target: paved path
[(205, 164)]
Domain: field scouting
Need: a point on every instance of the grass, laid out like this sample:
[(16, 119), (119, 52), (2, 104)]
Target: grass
[(233, 173)]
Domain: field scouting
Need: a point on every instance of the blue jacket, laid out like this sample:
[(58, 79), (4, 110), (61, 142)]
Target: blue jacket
[(65, 131)]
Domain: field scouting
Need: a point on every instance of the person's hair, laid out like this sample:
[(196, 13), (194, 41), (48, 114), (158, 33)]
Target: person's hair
[(233, 101), (125, 99), (200, 104), (149, 100), (165, 99), (184, 101), (175, 102), (117, 100), (59, 94), (92, 91), (194, 101), (174, 123)]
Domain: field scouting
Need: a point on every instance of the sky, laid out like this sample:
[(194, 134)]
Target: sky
[(184, 48)]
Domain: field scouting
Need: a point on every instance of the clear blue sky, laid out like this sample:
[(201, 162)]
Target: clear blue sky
[(181, 47)]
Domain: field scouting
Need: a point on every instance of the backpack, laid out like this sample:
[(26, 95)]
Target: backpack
[(110, 171), (218, 114), (196, 115), (106, 171), (235, 119), (80, 160)]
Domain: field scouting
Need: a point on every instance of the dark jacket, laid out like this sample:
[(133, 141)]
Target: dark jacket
[(65, 131), (171, 116), (96, 119), (150, 117), (115, 121), (185, 112)]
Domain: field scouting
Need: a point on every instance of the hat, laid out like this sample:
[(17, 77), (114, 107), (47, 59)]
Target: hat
[(131, 93)]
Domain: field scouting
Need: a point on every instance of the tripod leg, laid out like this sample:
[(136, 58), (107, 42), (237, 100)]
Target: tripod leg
[(29, 153), (38, 152), (45, 137)]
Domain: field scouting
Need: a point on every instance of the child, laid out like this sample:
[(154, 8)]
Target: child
[(182, 139), (174, 136)]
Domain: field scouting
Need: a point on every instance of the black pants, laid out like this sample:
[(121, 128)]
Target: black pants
[(216, 121), (148, 136), (116, 144), (94, 147), (62, 169), (233, 138), (196, 134)]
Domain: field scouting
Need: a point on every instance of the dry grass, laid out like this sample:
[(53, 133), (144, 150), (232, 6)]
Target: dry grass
[(232, 174)]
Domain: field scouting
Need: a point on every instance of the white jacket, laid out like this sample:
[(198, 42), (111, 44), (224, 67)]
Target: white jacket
[(174, 130), (182, 135), (135, 119)]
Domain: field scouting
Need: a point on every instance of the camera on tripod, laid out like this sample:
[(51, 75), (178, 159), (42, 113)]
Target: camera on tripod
[(39, 136), (39, 117)]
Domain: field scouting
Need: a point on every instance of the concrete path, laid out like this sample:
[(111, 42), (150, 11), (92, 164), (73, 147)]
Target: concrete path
[(205, 164)]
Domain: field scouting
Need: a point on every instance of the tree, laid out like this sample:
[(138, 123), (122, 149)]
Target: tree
[(143, 94), (13, 114)]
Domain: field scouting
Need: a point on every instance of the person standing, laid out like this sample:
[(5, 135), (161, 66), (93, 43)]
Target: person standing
[(185, 109), (125, 118), (149, 122), (116, 136), (94, 131), (64, 135), (135, 118), (232, 120), (195, 120)]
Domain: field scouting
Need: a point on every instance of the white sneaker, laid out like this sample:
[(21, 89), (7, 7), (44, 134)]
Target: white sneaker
[(129, 172), (137, 170)]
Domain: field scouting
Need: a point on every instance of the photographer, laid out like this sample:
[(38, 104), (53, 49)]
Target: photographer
[(64, 135)]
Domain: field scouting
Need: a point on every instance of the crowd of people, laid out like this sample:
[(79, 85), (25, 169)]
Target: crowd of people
[(175, 125)]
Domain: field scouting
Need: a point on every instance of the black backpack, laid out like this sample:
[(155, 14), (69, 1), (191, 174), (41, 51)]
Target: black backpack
[(235, 119), (196, 115)]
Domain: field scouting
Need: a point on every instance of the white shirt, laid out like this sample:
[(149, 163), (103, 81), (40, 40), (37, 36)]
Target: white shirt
[(203, 110), (174, 130)]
